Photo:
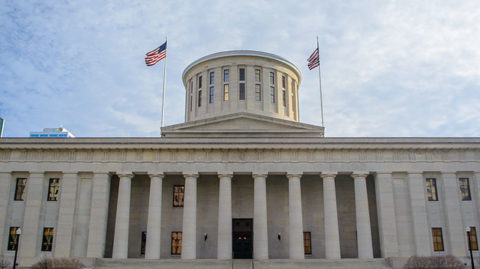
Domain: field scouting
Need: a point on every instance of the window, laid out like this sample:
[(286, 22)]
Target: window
[(241, 88), (226, 77), (47, 240), (272, 94), (199, 82), (473, 238), (284, 97), (258, 92), (284, 82), (272, 78), (437, 239), (211, 95), (12, 238), (176, 243), (212, 78), (431, 185), (20, 189), (307, 242), (199, 98), (294, 106), (144, 243), (178, 191), (465, 189), (53, 188), (257, 75), (241, 74), (242, 91), (191, 97), (225, 92)]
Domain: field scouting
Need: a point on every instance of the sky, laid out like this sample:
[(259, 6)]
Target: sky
[(389, 68)]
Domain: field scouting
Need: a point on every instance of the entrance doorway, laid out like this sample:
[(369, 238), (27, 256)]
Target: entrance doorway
[(242, 232)]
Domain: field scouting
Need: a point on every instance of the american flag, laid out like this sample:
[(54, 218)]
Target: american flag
[(156, 55), (313, 60)]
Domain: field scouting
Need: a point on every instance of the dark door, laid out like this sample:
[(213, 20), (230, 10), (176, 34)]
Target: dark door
[(242, 238)]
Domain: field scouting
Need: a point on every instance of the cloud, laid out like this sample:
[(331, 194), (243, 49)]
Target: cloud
[(389, 68)]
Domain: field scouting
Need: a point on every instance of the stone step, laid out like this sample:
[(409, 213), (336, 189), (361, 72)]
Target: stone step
[(240, 264)]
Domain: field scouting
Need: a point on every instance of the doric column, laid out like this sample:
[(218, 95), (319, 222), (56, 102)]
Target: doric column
[(189, 235), (455, 229), (29, 245), (68, 197), (260, 231), (386, 215), (82, 215), (154, 222), (5, 179), (98, 215), (332, 237), (122, 220), (421, 229), (224, 245), (476, 190), (295, 223), (364, 231)]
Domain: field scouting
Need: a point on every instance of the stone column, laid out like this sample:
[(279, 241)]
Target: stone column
[(189, 234), (154, 222), (386, 215), (5, 197), (122, 220), (224, 245), (451, 206), (332, 237), (260, 231), (364, 231), (68, 197), (476, 194), (295, 217), (34, 198), (98, 215), (421, 229), (82, 215)]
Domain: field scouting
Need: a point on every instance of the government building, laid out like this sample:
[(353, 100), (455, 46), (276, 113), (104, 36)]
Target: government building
[(240, 180)]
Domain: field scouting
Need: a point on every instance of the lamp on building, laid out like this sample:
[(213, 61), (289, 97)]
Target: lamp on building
[(467, 229), (18, 233)]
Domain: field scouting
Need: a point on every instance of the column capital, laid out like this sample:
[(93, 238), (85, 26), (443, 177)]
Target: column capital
[(361, 175), (294, 175), (129, 176), (190, 175), (328, 175), (157, 175), (259, 175), (221, 175)]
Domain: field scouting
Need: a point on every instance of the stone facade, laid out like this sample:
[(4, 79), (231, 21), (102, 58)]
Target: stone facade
[(358, 197)]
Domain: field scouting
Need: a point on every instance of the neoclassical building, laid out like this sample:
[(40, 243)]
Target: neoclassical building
[(242, 178)]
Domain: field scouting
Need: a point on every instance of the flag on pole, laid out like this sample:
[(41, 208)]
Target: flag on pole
[(314, 59), (156, 55)]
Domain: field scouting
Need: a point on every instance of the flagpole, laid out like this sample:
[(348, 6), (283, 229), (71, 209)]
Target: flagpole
[(320, 83), (164, 83)]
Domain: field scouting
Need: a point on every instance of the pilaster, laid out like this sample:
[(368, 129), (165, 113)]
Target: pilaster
[(68, 197)]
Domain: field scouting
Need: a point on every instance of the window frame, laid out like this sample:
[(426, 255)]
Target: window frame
[(474, 242), (437, 239), (468, 196), (211, 94), (180, 241), (53, 196), (307, 243), (182, 202), (19, 195), (48, 232), (199, 98), (199, 82), (431, 189), (226, 88), (241, 91), (212, 77), (226, 75), (12, 238), (273, 97), (272, 78), (258, 92)]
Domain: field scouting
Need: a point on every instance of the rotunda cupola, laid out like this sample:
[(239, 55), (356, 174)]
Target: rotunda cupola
[(236, 81)]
